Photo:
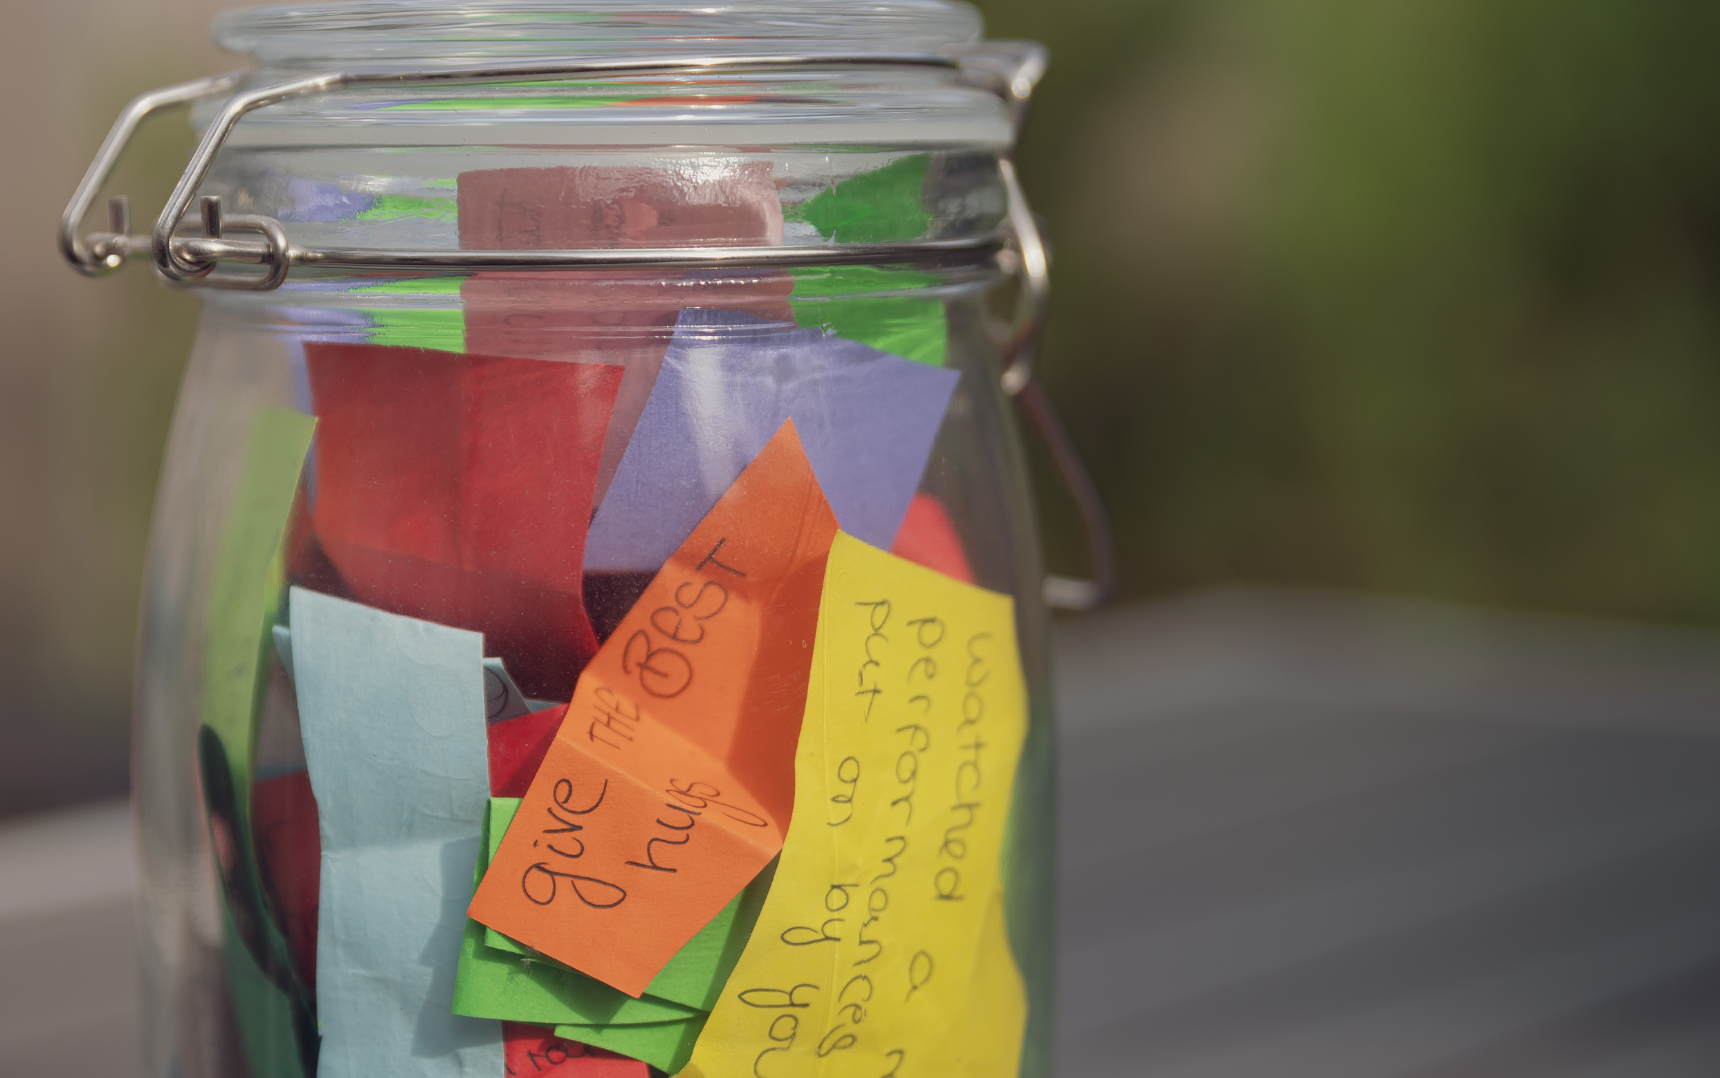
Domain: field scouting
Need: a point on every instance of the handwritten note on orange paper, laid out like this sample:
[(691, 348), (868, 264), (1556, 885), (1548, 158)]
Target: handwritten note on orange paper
[(671, 781)]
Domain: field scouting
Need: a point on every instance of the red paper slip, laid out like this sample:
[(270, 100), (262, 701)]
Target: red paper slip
[(518, 747), (289, 855), (606, 206), (457, 488), (928, 537), (623, 318), (536, 1052)]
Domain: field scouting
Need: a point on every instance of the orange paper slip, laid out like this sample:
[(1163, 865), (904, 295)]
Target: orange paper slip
[(671, 781)]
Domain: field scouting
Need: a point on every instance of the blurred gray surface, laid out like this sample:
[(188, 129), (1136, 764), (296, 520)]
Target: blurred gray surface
[(1316, 835), (1303, 835), (68, 963)]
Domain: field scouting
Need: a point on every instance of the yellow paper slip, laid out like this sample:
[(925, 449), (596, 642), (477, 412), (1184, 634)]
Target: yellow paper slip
[(881, 950)]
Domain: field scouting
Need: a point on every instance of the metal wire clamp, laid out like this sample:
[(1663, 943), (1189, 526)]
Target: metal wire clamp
[(1009, 69)]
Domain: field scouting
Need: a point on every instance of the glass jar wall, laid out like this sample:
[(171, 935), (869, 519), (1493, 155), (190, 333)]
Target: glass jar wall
[(582, 668)]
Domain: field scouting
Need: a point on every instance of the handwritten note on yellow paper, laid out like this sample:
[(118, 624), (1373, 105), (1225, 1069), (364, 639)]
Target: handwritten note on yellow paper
[(881, 951)]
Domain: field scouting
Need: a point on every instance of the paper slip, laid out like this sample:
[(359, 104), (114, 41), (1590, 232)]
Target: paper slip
[(284, 820), (996, 1004), (565, 207), (536, 1052), (842, 300), (866, 420), (517, 748), (496, 984), (245, 581), (928, 537), (693, 978), (884, 205), (609, 316), (671, 779), (457, 488), (392, 710), (866, 959), (272, 1005), (665, 1045), (503, 699), (597, 1015), (520, 728), (619, 317)]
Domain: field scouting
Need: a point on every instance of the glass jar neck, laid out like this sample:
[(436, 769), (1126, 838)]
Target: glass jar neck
[(410, 34)]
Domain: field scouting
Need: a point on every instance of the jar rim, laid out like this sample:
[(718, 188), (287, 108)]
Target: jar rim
[(383, 30)]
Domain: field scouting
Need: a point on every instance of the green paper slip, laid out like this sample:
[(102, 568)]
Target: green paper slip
[(665, 1045), (443, 329), (695, 976), (407, 207), (412, 286), (699, 970), (244, 587), (885, 205), (269, 1004), (495, 984), (263, 1012), (901, 325)]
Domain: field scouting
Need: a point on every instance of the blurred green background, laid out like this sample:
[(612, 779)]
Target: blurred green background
[(1416, 297)]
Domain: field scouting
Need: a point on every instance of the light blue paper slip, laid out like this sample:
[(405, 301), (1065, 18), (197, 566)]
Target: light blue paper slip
[(393, 714)]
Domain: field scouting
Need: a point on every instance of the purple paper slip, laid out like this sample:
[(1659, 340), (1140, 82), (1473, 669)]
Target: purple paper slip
[(866, 419)]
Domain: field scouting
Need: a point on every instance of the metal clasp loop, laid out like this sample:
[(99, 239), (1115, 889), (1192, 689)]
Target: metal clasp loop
[(107, 251), (1011, 69), (214, 247), (1032, 265)]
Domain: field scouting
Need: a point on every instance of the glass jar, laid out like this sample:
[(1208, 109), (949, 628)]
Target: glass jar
[(614, 439)]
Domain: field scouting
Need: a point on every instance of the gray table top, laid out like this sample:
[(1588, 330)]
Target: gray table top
[(1302, 834)]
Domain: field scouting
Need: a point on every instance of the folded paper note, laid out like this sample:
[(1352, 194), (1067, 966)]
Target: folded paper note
[(693, 978), (392, 710), (864, 959), (668, 785), (457, 488), (537, 1052), (866, 420)]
